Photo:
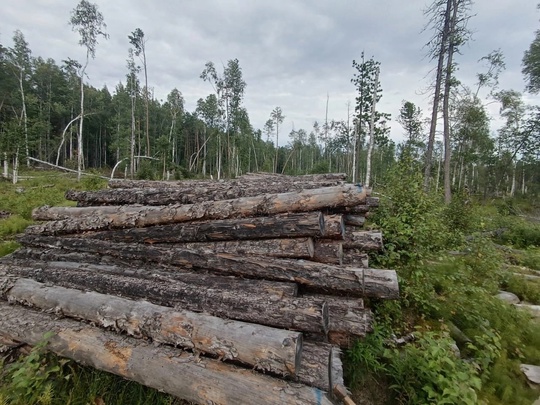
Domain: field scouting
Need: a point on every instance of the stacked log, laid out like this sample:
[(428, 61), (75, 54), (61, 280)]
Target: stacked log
[(210, 280)]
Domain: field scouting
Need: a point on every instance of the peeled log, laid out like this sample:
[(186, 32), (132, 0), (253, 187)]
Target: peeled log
[(328, 251), (300, 314), (167, 369), (314, 276), (57, 260), (334, 227), (77, 219), (323, 180), (265, 348), (297, 248), (304, 224), (363, 240)]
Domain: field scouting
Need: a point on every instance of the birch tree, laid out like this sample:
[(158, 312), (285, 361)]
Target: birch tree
[(277, 118), (89, 23)]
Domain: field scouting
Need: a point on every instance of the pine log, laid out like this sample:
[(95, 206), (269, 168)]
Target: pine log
[(192, 193), (334, 227), (297, 248), (356, 210), (300, 314), (77, 219), (319, 366), (328, 251), (167, 369), (57, 259), (348, 320), (355, 258), (304, 224), (322, 180), (354, 220), (265, 348), (313, 276), (363, 240)]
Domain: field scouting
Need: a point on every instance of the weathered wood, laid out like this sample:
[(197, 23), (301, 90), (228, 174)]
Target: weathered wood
[(193, 192), (300, 314), (355, 258), (354, 220), (328, 251), (167, 369), (323, 180), (297, 248), (314, 276), (263, 347), (76, 219), (334, 227), (319, 366), (304, 224), (348, 319), (364, 240), (57, 259)]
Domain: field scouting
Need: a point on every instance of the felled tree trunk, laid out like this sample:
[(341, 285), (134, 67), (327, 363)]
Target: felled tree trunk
[(334, 227), (76, 219), (363, 240), (308, 224), (321, 365), (321, 180), (167, 369), (300, 314), (355, 258), (55, 259), (315, 276), (348, 320), (328, 251), (297, 248), (354, 220), (265, 348)]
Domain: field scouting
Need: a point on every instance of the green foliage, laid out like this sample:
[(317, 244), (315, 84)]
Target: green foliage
[(409, 218), (147, 171), (521, 234), (12, 225), (8, 247), (523, 288), (29, 379), (93, 182)]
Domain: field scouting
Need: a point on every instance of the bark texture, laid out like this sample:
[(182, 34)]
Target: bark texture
[(364, 240), (78, 219), (265, 348), (167, 369)]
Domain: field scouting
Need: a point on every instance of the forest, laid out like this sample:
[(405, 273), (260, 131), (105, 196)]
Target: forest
[(459, 199), (48, 111)]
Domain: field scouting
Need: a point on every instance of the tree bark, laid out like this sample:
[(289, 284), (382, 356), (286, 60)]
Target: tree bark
[(355, 258), (76, 219), (57, 260), (167, 369), (364, 240), (309, 224), (276, 181), (300, 314), (334, 227), (265, 348), (328, 251), (319, 367), (354, 220), (314, 276), (298, 248)]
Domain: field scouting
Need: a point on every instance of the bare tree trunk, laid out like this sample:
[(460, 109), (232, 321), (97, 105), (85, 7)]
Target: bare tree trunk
[(437, 94), (372, 127), (513, 187), (80, 156)]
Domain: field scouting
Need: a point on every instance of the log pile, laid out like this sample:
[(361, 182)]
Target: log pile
[(225, 292)]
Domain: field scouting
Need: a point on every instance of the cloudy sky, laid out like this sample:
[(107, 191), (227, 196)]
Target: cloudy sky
[(292, 52)]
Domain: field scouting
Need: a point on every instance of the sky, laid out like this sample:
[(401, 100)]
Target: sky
[(295, 54)]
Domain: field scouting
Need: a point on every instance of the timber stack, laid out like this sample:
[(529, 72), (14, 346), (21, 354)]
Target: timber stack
[(227, 292)]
